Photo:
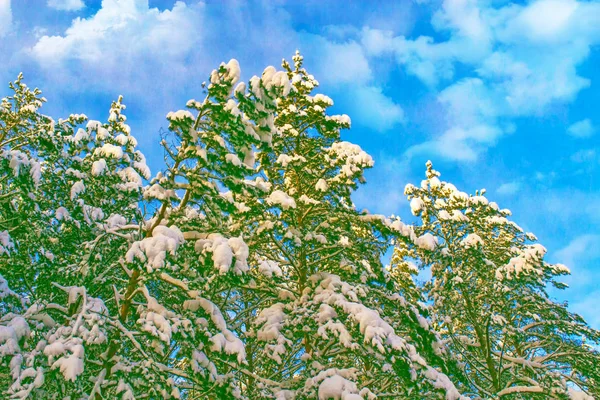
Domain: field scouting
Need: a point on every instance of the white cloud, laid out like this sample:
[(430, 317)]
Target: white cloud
[(582, 129), (342, 63), (66, 5), (588, 308), (5, 17), (468, 102), (126, 42), (345, 66), (464, 17), (376, 41), (471, 116), (584, 156), (508, 188), (581, 255), (458, 143), (518, 60), (429, 61), (565, 206), (548, 18), (452, 150), (582, 248), (370, 107), (550, 22), (122, 27)]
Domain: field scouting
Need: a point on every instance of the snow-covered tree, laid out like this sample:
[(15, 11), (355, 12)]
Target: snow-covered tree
[(229, 274), (110, 288), (489, 290), (322, 317)]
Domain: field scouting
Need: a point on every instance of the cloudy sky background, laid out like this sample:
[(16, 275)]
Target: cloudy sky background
[(499, 95)]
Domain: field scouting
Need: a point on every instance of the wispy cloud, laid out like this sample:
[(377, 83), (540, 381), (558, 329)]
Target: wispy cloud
[(66, 5), (374, 109), (565, 205), (584, 156), (513, 60), (346, 67), (580, 249), (588, 308), (5, 17), (582, 129), (508, 188), (582, 255)]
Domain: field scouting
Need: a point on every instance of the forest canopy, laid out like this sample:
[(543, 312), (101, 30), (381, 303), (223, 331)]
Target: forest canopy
[(243, 270)]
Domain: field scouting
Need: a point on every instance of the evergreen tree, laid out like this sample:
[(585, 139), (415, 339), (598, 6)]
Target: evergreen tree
[(489, 290), (105, 290), (323, 318)]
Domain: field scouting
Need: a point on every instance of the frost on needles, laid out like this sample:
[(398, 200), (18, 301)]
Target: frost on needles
[(242, 270)]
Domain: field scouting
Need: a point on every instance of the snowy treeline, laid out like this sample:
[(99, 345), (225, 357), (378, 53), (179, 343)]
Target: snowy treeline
[(242, 270)]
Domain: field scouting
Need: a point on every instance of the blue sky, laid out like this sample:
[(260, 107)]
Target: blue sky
[(499, 95)]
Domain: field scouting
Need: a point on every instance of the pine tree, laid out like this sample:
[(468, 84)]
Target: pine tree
[(111, 288), (324, 319), (489, 289)]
